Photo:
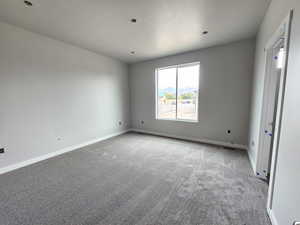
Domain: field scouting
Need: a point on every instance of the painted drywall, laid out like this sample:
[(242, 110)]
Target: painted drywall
[(225, 87), (285, 208), (54, 95), (163, 27), (276, 13), (287, 179)]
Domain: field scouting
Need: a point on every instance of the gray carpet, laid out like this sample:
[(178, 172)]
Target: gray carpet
[(136, 179)]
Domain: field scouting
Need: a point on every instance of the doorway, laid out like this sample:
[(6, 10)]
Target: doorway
[(274, 63), (277, 51)]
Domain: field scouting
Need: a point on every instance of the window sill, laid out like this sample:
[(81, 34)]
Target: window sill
[(174, 120)]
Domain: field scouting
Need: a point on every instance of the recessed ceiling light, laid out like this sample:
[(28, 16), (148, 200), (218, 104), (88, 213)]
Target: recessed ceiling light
[(132, 52), (205, 32), (28, 3), (133, 20)]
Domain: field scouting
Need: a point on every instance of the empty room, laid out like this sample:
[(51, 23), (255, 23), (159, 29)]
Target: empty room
[(149, 112)]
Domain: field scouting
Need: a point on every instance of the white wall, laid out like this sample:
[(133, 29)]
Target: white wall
[(286, 201), (225, 88), (277, 11), (287, 181), (50, 90)]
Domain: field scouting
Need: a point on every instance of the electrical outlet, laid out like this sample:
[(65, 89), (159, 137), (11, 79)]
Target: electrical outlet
[(2, 150)]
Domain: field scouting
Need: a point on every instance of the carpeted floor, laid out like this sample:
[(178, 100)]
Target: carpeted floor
[(136, 179)]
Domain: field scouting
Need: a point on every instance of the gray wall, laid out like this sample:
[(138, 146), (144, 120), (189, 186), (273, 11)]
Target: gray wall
[(225, 88), (287, 180), (50, 90)]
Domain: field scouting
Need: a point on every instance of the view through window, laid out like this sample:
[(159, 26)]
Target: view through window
[(177, 92)]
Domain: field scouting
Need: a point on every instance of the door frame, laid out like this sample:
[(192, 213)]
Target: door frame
[(284, 29), (262, 155), (263, 159)]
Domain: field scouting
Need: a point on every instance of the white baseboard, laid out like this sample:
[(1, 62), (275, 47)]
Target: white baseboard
[(56, 153), (272, 217), (75, 147), (256, 173), (206, 141)]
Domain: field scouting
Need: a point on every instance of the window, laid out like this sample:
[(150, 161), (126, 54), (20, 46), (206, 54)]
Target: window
[(177, 90)]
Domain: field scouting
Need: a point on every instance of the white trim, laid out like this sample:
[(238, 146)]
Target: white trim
[(205, 141), (263, 153), (179, 65), (287, 27), (197, 63), (180, 120), (252, 161), (272, 217), (56, 153)]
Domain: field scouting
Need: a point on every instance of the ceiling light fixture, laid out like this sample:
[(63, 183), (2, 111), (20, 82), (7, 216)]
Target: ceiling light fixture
[(133, 20), (205, 32), (28, 3)]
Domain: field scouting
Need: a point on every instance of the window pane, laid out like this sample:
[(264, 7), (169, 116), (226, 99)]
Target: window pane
[(166, 93), (188, 83)]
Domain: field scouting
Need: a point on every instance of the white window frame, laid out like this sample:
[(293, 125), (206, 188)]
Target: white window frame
[(156, 92)]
